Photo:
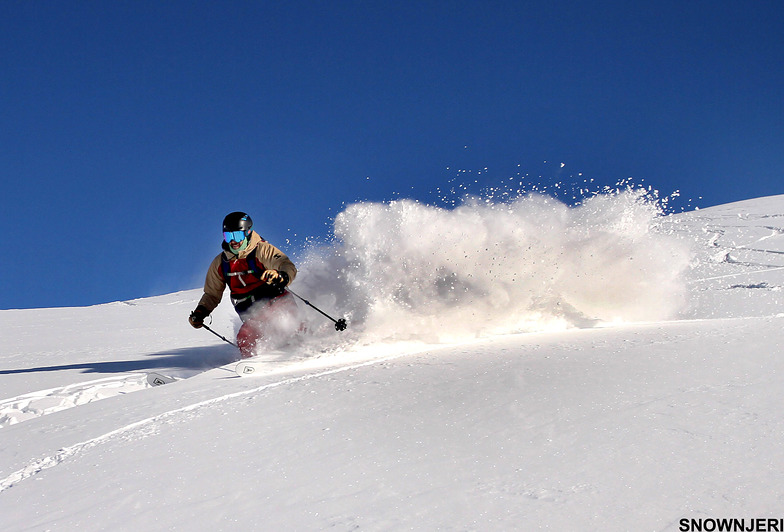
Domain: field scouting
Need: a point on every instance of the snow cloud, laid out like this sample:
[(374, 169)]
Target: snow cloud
[(406, 270)]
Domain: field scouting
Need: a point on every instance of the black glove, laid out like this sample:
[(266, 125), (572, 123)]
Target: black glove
[(276, 278), (197, 316)]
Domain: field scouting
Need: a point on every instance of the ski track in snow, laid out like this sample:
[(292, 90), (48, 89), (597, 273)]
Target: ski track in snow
[(36, 404), (139, 427), (752, 257)]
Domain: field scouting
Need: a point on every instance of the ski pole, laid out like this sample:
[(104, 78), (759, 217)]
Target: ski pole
[(219, 336), (340, 324)]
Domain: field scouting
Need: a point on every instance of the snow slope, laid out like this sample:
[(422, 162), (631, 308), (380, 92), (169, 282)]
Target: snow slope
[(578, 416)]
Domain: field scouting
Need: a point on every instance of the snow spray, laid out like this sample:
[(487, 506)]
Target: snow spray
[(404, 270)]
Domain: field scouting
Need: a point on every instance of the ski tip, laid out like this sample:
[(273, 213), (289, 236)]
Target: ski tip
[(158, 379), (247, 369)]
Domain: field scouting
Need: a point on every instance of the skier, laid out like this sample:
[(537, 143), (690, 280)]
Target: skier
[(257, 274)]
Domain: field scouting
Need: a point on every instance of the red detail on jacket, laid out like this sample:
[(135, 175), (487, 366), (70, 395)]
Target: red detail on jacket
[(241, 279)]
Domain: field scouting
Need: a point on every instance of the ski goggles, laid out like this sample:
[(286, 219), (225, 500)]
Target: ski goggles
[(236, 236)]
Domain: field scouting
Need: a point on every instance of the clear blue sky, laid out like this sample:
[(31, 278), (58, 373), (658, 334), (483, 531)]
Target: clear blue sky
[(130, 128)]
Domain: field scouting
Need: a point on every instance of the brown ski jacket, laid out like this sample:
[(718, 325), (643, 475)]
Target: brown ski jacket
[(243, 282)]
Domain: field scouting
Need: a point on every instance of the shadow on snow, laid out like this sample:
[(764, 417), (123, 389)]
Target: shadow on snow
[(192, 358)]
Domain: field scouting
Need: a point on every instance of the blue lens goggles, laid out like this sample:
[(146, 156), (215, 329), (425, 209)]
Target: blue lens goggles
[(236, 236)]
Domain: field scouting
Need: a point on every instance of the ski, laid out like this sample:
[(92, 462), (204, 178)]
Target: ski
[(255, 365), (245, 368), (158, 379)]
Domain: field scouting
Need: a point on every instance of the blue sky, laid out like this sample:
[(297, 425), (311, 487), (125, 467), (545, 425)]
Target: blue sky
[(129, 129)]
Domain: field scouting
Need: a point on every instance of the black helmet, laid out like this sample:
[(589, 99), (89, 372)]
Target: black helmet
[(236, 228), (237, 221)]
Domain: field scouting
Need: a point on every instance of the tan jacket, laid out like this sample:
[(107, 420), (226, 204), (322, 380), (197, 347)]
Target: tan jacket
[(266, 254)]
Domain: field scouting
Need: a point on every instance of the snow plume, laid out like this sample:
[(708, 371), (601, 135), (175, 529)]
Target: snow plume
[(408, 271)]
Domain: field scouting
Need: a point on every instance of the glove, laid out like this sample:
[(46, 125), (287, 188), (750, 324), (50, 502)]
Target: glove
[(276, 278), (197, 316)]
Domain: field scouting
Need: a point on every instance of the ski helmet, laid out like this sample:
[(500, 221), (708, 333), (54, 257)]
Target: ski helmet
[(237, 221), (236, 228)]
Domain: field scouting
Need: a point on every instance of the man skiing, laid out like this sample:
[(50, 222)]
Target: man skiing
[(256, 273)]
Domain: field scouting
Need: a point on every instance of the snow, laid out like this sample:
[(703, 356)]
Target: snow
[(585, 394)]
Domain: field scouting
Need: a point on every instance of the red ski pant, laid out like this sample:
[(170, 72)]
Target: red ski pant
[(266, 320)]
